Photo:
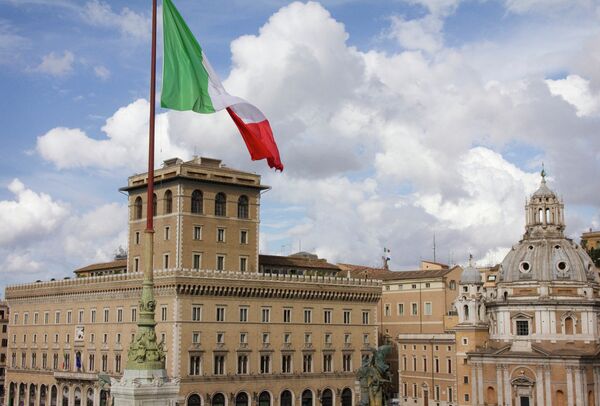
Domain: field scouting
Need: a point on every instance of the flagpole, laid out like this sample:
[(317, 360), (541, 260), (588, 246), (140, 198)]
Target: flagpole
[(145, 353)]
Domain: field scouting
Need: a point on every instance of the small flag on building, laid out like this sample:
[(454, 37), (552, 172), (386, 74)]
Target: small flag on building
[(190, 83)]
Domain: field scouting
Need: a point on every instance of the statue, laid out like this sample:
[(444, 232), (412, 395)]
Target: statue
[(374, 377)]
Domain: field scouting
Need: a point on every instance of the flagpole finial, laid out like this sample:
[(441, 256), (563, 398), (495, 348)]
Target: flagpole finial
[(543, 173)]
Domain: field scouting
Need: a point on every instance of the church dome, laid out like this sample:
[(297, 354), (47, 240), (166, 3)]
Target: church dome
[(547, 260), (545, 254), (470, 276)]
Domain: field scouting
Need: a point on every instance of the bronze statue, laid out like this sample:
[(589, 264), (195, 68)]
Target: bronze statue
[(374, 377)]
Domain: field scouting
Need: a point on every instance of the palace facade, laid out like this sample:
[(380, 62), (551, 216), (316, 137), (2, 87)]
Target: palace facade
[(238, 328)]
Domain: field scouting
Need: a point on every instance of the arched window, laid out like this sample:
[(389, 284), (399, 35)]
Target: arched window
[(43, 395), (241, 399), (53, 396), (77, 396), (307, 398), (218, 400), (286, 398), (12, 393), (541, 216), (569, 328), (547, 215), (491, 397), (89, 397), (32, 388), (560, 398), (103, 398), (168, 202), (154, 204), (137, 208), (220, 205), (65, 396), (347, 397), (194, 400), (466, 310), (264, 399), (327, 398), (243, 207), (197, 202)]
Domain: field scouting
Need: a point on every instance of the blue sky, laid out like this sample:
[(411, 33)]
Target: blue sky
[(395, 119)]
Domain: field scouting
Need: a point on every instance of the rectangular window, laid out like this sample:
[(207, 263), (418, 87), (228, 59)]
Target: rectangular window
[(16, 319), (195, 365), (414, 387), (347, 318), (46, 317), (466, 397), (347, 362), (449, 365), (265, 338), (119, 315), (220, 262), (220, 316), (400, 309), (243, 264), (404, 366), (347, 338), (424, 364), (133, 314), (137, 238), (54, 361), (387, 310), (365, 317), (287, 315), (117, 363), (196, 337), (466, 379), (286, 364), (196, 313), (219, 365), (327, 363), (104, 362), (428, 310), (163, 313), (522, 327), (196, 261), (197, 232), (414, 363), (307, 316), (26, 318), (136, 264), (327, 316), (44, 361), (57, 318), (307, 338), (265, 364), (220, 338), (242, 365), (165, 261), (106, 315), (265, 315), (414, 309), (307, 363), (243, 314), (437, 392), (244, 237), (437, 365), (167, 233), (118, 338), (79, 317), (287, 338), (450, 394), (243, 338), (220, 235), (35, 318), (366, 338)]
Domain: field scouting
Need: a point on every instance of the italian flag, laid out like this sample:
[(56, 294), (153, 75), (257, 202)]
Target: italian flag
[(190, 83)]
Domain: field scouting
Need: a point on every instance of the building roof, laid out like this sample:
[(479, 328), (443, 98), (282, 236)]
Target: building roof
[(302, 262), (361, 271), (116, 264)]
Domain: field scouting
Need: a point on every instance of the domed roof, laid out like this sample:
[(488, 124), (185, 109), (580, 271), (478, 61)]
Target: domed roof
[(470, 276), (543, 190), (547, 260)]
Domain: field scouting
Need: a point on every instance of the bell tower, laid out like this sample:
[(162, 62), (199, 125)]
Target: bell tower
[(544, 213), (470, 301)]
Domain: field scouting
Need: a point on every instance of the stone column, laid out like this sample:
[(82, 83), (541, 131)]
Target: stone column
[(569, 386), (585, 386), (596, 386), (500, 387), (547, 382), (539, 386), (474, 385), (579, 398), (507, 388), (480, 383)]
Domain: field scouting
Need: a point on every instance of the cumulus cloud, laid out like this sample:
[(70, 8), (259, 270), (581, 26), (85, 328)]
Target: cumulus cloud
[(125, 145), (30, 215), (381, 148), (55, 64), (576, 90)]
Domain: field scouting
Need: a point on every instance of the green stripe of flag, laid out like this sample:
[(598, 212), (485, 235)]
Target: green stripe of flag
[(185, 80)]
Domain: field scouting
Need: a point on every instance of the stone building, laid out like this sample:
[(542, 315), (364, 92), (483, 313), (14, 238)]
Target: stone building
[(233, 335), (3, 347)]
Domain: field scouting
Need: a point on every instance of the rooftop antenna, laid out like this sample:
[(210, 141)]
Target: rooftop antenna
[(434, 247)]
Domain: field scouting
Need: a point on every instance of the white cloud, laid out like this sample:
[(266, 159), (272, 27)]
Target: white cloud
[(423, 33), (124, 147), (547, 6), (102, 72), (576, 90), (55, 64), (11, 43), (128, 22), (30, 216)]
